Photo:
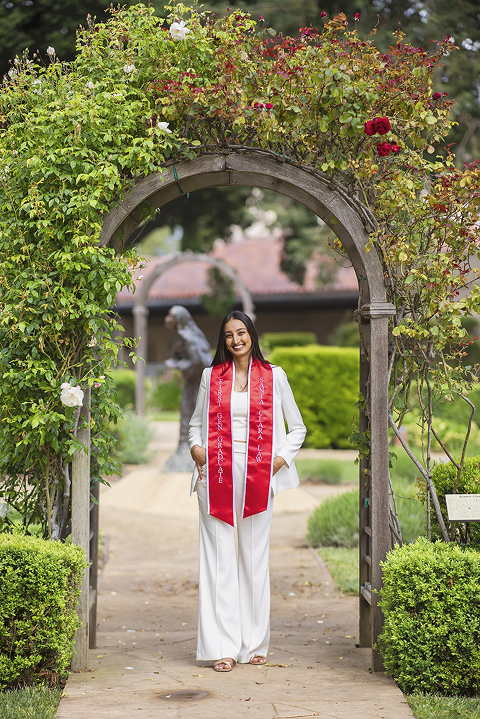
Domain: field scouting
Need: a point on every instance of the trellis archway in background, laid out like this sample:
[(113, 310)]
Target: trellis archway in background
[(348, 220), (140, 310)]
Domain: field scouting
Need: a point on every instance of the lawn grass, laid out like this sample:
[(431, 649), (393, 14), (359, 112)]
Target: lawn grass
[(31, 703), (342, 564), (327, 471), (437, 707)]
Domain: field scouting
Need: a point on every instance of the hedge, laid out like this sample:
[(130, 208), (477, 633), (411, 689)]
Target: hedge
[(443, 477), (431, 602), (124, 380), (39, 584), (271, 340), (325, 383)]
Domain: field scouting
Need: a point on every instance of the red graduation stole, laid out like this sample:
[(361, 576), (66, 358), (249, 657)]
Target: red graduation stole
[(221, 492)]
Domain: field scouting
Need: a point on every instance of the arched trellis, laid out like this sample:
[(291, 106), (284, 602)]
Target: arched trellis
[(348, 220), (140, 310)]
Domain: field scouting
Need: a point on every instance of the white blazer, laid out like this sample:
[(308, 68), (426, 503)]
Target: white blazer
[(284, 445)]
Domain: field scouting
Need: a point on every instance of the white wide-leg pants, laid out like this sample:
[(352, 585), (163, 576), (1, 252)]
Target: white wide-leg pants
[(234, 597)]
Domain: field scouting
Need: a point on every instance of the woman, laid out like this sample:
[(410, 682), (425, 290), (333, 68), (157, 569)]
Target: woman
[(243, 457)]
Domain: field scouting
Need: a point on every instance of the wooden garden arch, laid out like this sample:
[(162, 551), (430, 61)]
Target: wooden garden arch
[(140, 309), (346, 218)]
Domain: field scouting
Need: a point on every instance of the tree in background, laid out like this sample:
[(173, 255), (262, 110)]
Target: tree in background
[(38, 24)]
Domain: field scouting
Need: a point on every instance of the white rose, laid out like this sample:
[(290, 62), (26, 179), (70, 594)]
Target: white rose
[(90, 85), (129, 68), (71, 396), (50, 51), (164, 127), (178, 31)]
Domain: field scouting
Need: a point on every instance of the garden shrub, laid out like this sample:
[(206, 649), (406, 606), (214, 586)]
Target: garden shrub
[(167, 393), (324, 381), (345, 335), (334, 523), (443, 477), (431, 602), (39, 585), (133, 434), (270, 340), (125, 381)]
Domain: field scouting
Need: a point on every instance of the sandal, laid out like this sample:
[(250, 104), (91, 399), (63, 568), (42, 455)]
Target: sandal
[(260, 659), (227, 662)]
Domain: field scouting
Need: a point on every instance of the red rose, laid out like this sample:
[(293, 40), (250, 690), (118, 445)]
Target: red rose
[(370, 128), (395, 148), (436, 95), (356, 16), (268, 105), (323, 14), (382, 125), (384, 149)]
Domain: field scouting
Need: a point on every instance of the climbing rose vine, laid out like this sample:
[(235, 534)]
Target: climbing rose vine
[(142, 91)]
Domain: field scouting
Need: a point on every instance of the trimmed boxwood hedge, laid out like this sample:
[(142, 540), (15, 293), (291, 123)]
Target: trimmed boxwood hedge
[(39, 586), (431, 602), (271, 340), (325, 383)]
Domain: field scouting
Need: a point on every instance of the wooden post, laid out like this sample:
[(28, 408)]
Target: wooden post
[(140, 314), (378, 313), (81, 532), (365, 615), (93, 573)]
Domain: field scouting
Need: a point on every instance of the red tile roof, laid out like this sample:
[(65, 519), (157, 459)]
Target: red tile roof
[(257, 261)]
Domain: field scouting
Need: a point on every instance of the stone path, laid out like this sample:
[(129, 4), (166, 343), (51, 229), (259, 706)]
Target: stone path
[(144, 664)]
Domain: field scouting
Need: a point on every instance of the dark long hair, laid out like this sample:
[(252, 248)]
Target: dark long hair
[(224, 356)]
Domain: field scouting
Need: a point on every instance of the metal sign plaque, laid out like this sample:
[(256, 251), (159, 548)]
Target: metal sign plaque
[(463, 507)]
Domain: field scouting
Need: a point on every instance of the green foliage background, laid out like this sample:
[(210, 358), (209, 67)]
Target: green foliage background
[(324, 381)]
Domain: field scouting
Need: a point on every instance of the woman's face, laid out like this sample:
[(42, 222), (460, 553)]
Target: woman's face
[(237, 339)]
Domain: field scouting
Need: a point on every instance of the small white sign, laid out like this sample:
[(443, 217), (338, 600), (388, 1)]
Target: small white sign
[(463, 507)]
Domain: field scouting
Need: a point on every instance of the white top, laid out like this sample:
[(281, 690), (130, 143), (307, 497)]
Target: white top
[(239, 407)]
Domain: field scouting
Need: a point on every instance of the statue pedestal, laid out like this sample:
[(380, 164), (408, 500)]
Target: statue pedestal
[(180, 461)]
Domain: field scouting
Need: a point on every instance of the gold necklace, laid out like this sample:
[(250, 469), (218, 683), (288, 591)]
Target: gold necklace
[(242, 388)]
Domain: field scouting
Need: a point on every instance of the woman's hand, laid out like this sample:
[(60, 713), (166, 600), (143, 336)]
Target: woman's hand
[(278, 463), (199, 455)]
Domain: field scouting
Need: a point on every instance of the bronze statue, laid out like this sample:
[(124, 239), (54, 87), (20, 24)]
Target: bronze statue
[(191, 353)]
